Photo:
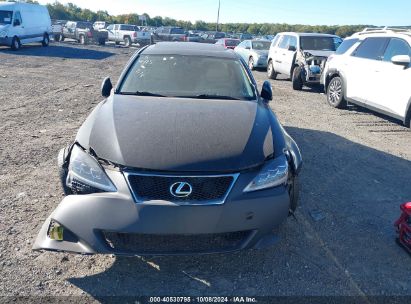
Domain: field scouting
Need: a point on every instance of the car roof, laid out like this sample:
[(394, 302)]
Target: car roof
[(308, 34), (189, 49), (363, 35)]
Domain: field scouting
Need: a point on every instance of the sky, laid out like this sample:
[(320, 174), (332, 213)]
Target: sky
[(314, 12)]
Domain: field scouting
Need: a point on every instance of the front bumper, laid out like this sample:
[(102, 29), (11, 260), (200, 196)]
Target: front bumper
[(250, 218), (5, 41)]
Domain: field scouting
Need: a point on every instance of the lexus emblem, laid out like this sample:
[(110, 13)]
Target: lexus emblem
[(181, 189)]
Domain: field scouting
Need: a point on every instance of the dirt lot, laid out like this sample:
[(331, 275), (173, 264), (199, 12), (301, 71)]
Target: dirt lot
[(355, 175)]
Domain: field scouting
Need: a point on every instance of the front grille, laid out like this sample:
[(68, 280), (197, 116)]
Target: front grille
[(175, 244), (205, 189)]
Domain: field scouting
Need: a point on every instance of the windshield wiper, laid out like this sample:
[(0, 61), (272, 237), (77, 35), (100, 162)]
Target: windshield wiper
[(211, 96), (139, 93)]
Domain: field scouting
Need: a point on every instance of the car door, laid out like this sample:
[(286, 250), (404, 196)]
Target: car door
[(360, 69), (116, 32), (289, 55), (392, 82), (110, 31), (277, 55), (18, 26)]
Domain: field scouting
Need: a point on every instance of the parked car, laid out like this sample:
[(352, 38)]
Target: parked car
[(84, 33), (228, 43), (57, 29), (192, 37), (254, 52), (22, 23), (174, 161), (245, 36), (301, 56), (100, 25), (128, 34), (372, 69), (169, 33), (212, 37)]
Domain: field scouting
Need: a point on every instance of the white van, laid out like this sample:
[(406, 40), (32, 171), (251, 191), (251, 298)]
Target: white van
[(22, 23)]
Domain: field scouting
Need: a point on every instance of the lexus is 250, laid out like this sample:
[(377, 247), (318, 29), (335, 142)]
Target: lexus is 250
[(183, 156)]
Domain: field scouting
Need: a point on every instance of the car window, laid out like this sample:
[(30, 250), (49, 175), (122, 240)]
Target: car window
[(110, 27), (292, 41), (231, 42), (261, 45), (395, 47), (371, 48), (116, 27), (346, 45), (177, 75), (275, 40), (284, 42), (318, 43), (17, 16), (5, 17), (125, 27), (242, 44), (178, 31)]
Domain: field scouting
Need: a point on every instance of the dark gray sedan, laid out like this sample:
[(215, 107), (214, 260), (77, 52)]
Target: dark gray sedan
[(184, 156)]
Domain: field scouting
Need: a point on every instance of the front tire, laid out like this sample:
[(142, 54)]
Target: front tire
[(296, 79), (15, 44), (407, 122), (335, 93), (46, 40), (271, 74), (251, 64)]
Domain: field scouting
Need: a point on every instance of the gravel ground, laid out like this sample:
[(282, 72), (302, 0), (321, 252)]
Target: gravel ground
[(342, 241)]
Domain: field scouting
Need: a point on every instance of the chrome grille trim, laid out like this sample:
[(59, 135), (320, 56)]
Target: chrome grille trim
[(138, 200)]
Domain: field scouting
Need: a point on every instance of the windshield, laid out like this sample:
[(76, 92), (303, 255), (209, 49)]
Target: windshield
[(319, 43), (5, 17), (188, 76), (232, 42), (261, 45)]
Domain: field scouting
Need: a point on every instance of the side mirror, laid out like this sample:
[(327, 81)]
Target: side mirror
[(267, 91), (106, 87), (403, 60), (292, 48), (16, 22)]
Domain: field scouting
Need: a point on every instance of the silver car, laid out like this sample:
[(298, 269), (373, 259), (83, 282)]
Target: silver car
[(254, 52)]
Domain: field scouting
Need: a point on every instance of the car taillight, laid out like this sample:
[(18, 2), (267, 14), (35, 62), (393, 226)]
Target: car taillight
[(135, 34), (89, 34), (183, 38)]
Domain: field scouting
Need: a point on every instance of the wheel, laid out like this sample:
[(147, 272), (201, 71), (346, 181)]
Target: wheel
[(407, 122), (46, 40), (127, 41), (270, 71), (294, 192), (335, 93), (251, 63), (61, 38), (15, 44), (296, 79), (82, 39)]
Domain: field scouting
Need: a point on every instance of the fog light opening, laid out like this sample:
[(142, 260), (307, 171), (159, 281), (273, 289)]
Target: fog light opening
[(56, 231)]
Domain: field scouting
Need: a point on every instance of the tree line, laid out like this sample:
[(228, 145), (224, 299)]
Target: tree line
[(71, 11)]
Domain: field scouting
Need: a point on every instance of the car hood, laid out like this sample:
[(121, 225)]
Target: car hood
[(319, 53), (174, 134), (4, 27)]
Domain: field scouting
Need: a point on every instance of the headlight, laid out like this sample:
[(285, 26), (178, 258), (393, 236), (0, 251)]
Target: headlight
[(3, 34), (85, 173), (273, 174)]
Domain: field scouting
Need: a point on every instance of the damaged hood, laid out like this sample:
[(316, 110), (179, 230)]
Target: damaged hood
[(179, 134), (319, 53)]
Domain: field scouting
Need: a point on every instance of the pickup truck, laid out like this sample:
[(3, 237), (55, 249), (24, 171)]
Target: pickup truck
[(128, 34), (169, 33), (84, 33)]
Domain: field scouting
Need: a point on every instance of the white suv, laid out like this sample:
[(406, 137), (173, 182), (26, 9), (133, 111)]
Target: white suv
[(372, 69), (300, 56)]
